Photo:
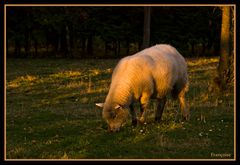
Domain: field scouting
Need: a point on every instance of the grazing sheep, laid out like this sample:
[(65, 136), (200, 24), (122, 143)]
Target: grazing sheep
[(151, 73)]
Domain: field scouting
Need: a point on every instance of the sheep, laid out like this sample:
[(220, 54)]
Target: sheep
[(152, 73)]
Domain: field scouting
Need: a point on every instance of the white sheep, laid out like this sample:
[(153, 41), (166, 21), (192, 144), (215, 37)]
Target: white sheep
[(149, 74)]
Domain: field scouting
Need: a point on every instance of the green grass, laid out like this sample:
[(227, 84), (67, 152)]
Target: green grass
[(50, 114)]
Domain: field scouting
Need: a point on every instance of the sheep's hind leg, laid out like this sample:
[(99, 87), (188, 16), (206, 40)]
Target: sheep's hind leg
[(184, 107), (160, 107)]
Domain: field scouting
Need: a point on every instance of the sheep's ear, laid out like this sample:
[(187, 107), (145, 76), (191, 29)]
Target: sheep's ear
[(100, 105), (117, 107)]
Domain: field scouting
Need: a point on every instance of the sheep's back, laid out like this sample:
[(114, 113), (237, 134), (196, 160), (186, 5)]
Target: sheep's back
[(157, 68), (169, 67)]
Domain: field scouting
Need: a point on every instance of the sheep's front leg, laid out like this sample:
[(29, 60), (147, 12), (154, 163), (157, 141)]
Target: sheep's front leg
[(143, 108), (160, 107), (133, 115)]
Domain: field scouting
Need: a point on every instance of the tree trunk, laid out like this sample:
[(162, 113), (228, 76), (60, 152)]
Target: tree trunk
[(26, 43), (225, 50), (68, 46), (203, 49), (17, 49), (118, 47), (127, 47), (59, 43), (36, 47), (83, 43), (90, 44), (63, 42), (146, 28), (192, 48), (106, 48), (115, 47)]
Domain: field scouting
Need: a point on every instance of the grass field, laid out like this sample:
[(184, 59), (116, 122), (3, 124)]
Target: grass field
[(50, 114)]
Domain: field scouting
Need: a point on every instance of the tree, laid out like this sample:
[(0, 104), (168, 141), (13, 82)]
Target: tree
[(112, 31), (67, 33), (146, 28), (225, 73)]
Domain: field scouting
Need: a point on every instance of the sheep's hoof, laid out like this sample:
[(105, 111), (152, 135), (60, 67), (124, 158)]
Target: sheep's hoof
[(186, 118), (141, 121)]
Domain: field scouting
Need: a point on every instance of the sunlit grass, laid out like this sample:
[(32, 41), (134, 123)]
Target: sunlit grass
[(202, 61), (51, 114)]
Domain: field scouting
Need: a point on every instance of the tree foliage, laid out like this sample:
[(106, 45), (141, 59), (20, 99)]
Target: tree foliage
[(109, 32)]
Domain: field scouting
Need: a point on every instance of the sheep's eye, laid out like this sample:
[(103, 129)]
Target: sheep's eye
[(113, 115)]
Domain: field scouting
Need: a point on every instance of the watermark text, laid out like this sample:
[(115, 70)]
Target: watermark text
[(220, 155)]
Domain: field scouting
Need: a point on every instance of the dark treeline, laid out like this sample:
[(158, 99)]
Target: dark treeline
[(109, 32)]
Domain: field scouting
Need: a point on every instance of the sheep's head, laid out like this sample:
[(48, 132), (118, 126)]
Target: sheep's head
[(115, 116)]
